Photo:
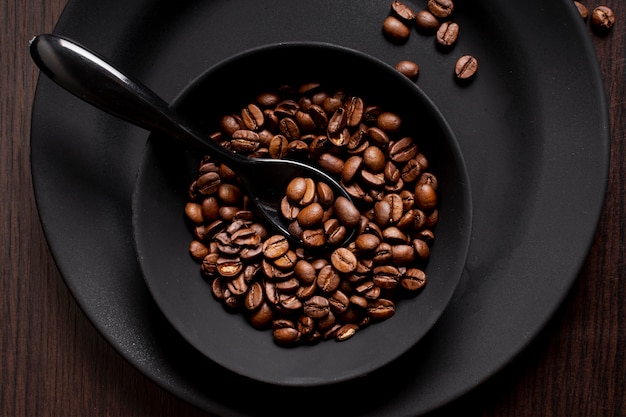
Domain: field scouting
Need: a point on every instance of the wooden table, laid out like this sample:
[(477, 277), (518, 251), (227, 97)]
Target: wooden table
[(55, 363)]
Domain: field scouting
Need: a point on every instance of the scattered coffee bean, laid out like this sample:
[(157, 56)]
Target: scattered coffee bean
[(409, 68), (426, 22), (447, 34), (442, 9), (396, 30), (466, 67), (582, 9), (602, 19), (402, 12)]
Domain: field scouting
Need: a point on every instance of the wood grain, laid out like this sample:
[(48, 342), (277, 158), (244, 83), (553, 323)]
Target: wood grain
[(53, 362)]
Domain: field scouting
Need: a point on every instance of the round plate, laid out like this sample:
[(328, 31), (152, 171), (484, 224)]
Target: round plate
[(533, 128), (162, 234)]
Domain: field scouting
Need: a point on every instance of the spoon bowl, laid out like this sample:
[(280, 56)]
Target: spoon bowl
[(162, 234)]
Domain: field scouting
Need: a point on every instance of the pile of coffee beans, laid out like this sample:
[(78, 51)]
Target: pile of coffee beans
[(435, 19), (317, 290)]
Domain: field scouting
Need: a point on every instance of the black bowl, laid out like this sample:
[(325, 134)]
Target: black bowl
[(162, 235)]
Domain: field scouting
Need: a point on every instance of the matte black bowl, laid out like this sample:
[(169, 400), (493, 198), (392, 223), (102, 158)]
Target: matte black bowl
[(162, 235)]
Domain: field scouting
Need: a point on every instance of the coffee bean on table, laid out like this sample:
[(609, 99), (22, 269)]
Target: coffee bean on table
[(602, 19), (582, 10)]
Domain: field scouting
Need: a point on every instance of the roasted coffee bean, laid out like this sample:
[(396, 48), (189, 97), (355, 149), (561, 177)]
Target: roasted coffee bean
[(286, 108), (252, 117), (466, 67), (245, 141), (394, 236), (412, 219), (441, 8), (305, 272), (268, 99), (229, 267), (408, 68), (305, 292), (313, 238), (414, 279), (422, 250), (316, 307), (262, 317), (402, 11), (334, 231), (381, 309), (237, 286), (287, 261), (278, 147), (425, 197), (289, 302), (286, 335), (386, 277), (367, 242), (396, 30), (246, 237), (325, 195), (198, 250), (602, 19), (275, 246), (289, 128), (330, 163), (354, 111), (328, 279), (346, 331), (430, 179), (343, 260), (582, 10), (296, 189), (305, 325), (389, 122), (375, 181), (403, 254), (378, 136), (374, 159), (210, 209), (403, 150), (231, 123), (426, 22), (208, 183), (350, 168), (346, 212), (447, 34), (288, 210), (311, 216), (194, 212), (339, 302)]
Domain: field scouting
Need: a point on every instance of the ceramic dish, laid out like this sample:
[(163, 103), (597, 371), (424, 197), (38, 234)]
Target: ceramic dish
[(533, 128)]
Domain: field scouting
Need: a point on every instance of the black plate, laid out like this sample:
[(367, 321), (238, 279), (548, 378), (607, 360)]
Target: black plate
[(162, 235), (533, 127)]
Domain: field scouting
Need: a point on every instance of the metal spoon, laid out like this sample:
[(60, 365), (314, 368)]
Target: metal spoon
[(96, 81)]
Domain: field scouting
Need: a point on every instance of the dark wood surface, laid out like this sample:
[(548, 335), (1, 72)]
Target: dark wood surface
[(54, 363)]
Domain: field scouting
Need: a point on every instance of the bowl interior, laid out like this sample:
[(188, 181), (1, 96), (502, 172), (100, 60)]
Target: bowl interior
[(162, 235)]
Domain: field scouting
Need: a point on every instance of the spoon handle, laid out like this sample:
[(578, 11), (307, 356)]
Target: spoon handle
[(94, 80)]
